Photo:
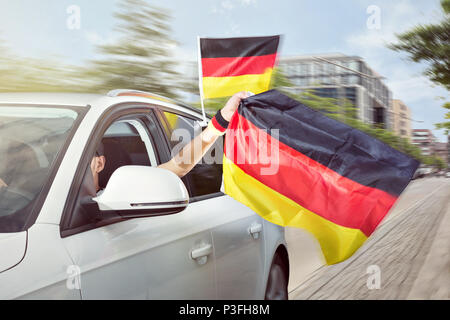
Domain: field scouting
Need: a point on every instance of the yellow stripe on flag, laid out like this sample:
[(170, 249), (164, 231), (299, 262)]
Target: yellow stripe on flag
[(337, 242), (216, 87), (172, 118)]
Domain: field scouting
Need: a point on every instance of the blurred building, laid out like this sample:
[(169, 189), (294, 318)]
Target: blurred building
[(448, 150), (341, 76), (425, 140), (440, 150), (401, 119)]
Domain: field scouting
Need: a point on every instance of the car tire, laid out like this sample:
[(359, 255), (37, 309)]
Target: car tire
[(277, 283)]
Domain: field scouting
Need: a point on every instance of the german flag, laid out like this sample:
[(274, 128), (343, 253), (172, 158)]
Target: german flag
[(230, 65), (296, 167)]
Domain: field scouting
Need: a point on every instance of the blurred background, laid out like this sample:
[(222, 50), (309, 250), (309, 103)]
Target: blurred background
[(380, 66)]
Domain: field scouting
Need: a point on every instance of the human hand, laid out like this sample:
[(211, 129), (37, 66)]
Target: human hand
[(232, 104), (2, 184)]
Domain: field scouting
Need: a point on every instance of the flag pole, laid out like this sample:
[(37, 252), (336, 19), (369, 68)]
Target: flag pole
[(204, 123)]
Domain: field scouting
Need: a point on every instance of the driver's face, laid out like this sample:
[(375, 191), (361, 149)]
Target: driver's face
[(97, 165)]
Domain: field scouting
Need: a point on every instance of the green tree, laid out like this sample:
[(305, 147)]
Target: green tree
[(25, 74), (141, 57), (6, 66), (279, 81), (431, 44), (439, 163), (434, 161), (445, 125)]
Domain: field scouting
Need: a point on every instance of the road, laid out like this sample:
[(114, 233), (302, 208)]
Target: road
[(407, 257)]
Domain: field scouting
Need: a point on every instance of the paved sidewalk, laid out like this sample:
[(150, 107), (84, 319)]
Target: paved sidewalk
[(433, 280), (411, 250)]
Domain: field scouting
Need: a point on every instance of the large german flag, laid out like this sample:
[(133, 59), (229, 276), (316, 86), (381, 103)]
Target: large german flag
[(330, 179), (230, 65)]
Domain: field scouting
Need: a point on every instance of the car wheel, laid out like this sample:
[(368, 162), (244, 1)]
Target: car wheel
[(277, 283)]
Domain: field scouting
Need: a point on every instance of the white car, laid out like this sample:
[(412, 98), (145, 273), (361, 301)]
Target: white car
[(148, 234)]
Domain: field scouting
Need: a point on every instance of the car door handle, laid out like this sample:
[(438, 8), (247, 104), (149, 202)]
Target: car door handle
[(201, 254), (255, 230)]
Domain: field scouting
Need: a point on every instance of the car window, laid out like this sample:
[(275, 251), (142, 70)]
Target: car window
[(126, 141), (206, 177), (31, 138)]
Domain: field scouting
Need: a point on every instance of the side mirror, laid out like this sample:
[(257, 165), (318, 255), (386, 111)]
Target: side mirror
[(141, 191)]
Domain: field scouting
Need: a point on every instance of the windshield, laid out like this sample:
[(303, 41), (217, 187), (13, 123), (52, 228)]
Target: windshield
[(30, 140)]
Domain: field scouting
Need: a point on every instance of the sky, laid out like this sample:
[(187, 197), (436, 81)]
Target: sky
[(40, 29)]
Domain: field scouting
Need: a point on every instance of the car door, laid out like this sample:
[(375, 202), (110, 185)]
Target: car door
[(162, 257), (239, 251), (237, 231)]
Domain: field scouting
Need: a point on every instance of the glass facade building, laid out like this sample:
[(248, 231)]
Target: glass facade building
[(342, 76)]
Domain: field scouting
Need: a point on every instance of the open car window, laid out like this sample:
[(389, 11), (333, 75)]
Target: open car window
[(127, 141), (205, 179)]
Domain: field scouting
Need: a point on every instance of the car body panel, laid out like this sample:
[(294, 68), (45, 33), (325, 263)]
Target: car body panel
[(240, 258), (49, 98), (274, 240), (12, 249), (43, 271), (143, 258)]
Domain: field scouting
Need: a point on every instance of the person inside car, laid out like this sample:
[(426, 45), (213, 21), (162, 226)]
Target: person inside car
[(189, 156)]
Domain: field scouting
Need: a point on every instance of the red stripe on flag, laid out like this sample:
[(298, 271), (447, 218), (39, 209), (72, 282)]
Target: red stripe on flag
[(305, 181), (237, 66)]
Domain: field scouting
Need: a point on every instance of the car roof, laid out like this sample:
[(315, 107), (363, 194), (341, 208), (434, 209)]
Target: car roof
[(49, 98), (91, 99)]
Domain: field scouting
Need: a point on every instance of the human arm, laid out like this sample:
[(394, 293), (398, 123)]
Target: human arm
[(194, 151)]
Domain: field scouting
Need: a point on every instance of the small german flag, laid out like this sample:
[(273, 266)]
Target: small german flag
[(230, 65), (296, 167)]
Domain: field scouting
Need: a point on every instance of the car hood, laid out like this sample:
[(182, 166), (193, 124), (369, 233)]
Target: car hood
[(12, 249)]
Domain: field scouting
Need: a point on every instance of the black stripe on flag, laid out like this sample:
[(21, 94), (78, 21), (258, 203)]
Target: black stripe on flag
[(345, 150), (238, 47)]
